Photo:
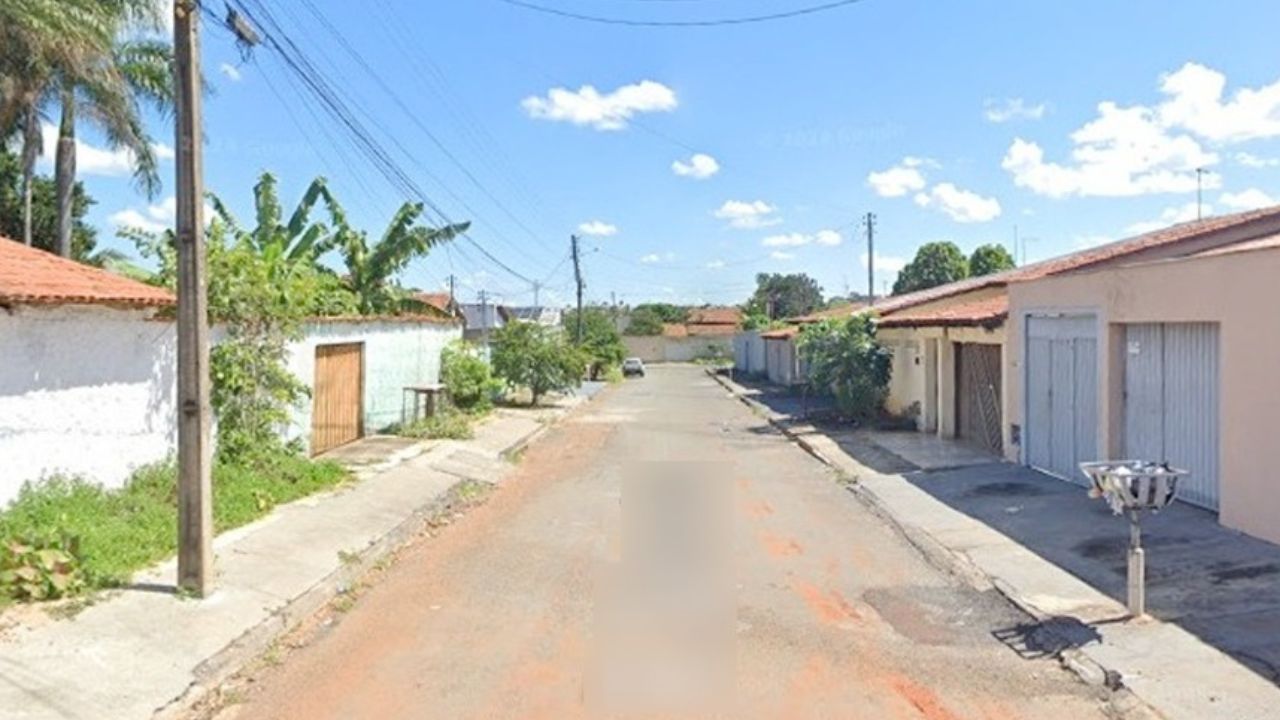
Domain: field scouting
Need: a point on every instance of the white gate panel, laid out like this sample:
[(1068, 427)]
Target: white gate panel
[(1062, 394), (1171, 402)]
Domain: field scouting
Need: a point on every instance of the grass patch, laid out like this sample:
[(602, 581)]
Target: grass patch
[(447, 424), (117, 532)]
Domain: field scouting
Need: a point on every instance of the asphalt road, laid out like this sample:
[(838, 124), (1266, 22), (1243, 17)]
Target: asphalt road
[(665, 553)]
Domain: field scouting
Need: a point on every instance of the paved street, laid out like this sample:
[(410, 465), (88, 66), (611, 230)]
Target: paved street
[(665, 551)]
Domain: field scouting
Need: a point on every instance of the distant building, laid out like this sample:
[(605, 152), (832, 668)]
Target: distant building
[(545, 316)]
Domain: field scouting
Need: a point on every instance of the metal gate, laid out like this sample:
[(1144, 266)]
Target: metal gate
[(978, 409), (1061, 425), (1171, 402), (336, 416)]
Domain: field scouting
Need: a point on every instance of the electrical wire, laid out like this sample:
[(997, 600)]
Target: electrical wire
[(744, 20)]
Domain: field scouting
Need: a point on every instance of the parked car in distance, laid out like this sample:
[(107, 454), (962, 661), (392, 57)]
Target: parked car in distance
[(633, 366)]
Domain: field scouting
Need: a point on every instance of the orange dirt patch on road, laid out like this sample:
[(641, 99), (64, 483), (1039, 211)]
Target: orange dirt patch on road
[(780, 547), (924, 700), (830, 606)]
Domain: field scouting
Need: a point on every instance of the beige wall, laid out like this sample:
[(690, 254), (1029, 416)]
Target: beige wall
[(1233, 290), (924, 372), (658, 348)]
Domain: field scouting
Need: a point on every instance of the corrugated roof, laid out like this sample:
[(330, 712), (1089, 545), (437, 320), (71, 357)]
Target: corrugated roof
[(29, 276)]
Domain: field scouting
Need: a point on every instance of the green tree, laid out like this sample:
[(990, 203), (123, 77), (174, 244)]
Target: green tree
[(301, 239), (935, 263), (665, 312), (988, 259), (780, 296), (468, 376), (600, 339), (644, 321), (262, 303), (45, 213), (529, 355), (845, 359)]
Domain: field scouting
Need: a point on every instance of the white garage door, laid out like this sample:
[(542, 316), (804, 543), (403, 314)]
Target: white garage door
[(1171, 402), (1061, 427)]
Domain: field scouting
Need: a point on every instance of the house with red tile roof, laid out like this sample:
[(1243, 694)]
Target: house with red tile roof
[(952, 368), (86, 370)]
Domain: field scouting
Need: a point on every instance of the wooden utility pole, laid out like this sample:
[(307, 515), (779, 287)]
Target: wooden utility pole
[(577, 277), (871, 258), (195, 457)]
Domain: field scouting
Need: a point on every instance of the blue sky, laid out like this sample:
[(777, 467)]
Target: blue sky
[(1076, 122)]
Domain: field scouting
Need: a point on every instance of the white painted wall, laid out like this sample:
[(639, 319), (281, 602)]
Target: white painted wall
[(84, 390), (749, 352), (397, 353), (657, 349)]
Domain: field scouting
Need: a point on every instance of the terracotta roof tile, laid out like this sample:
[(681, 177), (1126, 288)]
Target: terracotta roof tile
[(34, 277), (841, 311), (781, 333), (715, 316), (438, 300), (674, 330), (717, 330), (1184, 232), (986, 311)]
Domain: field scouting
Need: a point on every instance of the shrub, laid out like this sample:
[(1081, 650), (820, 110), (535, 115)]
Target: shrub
[(526, 355), (846, 360), (40, 568), (468, 376), (447, 424)]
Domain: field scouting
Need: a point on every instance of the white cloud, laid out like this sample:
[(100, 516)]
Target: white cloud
[(885, 263), (700, 167), (830, 238), (1123, 152), (1001, 111), (153, 218), (780, 255), (598, 228), (1253, 161), (607, 111), (960, 205), (1170, 216), (1196, 103), (1140, 150), (653, 258), (1250, 199), (748, 215), (715, 264), (898, 180), (231, 71), (822, 237), (93, 160)]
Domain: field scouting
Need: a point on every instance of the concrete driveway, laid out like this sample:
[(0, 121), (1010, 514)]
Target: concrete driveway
[(665, 552)]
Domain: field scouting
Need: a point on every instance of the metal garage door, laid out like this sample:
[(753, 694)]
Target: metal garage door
[(1171, 402), (1061, 427), (338, 396), (978, 415)]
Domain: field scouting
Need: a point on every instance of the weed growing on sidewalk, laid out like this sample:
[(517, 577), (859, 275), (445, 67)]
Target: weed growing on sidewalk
[(109, 534), (447, 424)]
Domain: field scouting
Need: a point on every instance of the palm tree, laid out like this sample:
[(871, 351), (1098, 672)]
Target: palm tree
[(108, 93), (371, 271), (39, 38)]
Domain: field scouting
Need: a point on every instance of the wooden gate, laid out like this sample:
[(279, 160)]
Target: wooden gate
[(336, 416), (978, 406)]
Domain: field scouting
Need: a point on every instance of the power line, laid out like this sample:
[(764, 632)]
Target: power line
[(679, 23), (323, 90)]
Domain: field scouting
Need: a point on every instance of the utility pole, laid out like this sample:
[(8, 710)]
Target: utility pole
[(195, 496), (871, 258), (577, 277), (484, 316), (453, 303), (536, 287), (1200, 193)]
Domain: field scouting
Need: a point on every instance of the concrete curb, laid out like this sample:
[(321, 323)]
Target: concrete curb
[(222, 665), (958, 565)]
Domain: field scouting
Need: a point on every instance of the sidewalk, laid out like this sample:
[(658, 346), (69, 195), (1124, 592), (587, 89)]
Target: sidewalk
[(1213, 646), (140, 650)]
